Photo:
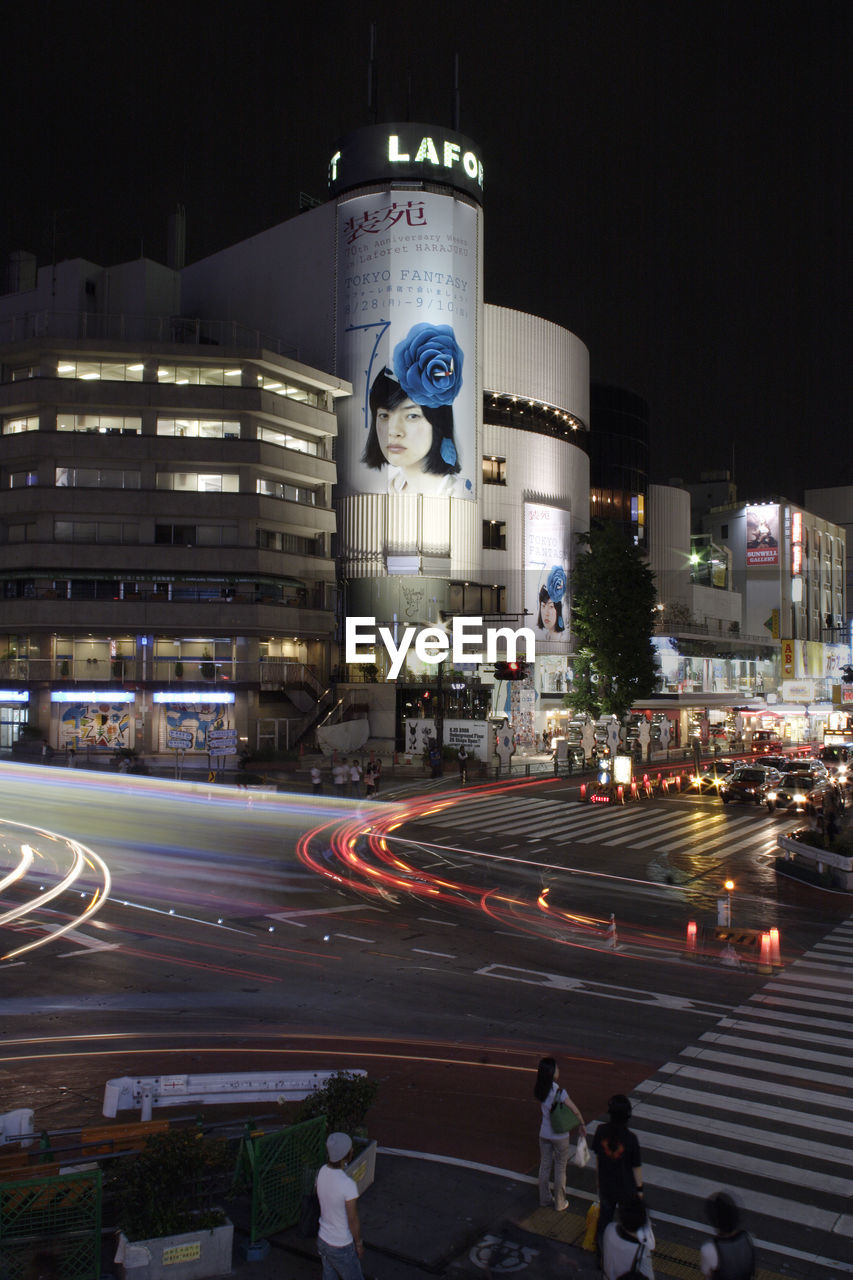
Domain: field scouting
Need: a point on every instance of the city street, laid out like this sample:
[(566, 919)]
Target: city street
[(443, 956)]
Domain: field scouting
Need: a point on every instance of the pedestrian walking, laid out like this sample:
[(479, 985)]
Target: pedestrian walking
[(377, 774), (355, 779), (462, 758), (72, 758), (730, 1255), (620, 1168), (339, 1241), (316, 780), (553, 1145), (339, 777), (369, 780), (627, 1246)]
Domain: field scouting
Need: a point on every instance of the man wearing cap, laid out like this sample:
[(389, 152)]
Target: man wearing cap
[(339, 1241)]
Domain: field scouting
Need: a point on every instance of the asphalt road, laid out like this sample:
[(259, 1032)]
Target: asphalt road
[(442, 943)]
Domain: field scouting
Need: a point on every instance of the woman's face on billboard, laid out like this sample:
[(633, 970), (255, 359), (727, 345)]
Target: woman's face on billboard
[(404, 434), (549, 615)]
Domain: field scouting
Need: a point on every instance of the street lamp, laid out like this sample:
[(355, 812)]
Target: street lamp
[(729, 886)]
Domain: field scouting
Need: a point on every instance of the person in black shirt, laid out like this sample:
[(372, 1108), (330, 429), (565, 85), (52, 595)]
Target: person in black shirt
[(620, 1168)]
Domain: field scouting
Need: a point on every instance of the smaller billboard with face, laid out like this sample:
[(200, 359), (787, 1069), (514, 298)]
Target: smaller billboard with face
[(547, 562), (762, 534)]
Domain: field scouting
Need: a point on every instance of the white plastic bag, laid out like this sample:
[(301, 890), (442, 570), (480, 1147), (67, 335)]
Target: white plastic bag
[(582, 1153)]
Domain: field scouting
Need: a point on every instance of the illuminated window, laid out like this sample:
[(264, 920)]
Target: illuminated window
[(285, 441), (494, 471), (281, 387), (199, 482), (494, 535), (183, 375), (100, 370), (14, 426), (96, 478), (204, 428), (104, 423), (22, 479), (288, 492)]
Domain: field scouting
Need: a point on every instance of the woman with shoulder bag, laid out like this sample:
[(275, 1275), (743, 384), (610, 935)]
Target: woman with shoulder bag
[(554, 1133)]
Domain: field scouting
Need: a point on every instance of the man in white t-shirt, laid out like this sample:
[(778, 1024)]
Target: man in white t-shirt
[(339, 1242)]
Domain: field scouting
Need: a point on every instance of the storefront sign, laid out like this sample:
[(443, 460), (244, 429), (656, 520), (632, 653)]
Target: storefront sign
[(798, 691), (788, 659), (473, 735)]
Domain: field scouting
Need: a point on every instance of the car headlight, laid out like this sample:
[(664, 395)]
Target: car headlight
[(771, 795)]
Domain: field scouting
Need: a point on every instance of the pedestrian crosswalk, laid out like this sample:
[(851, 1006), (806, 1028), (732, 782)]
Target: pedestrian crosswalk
[(762, 1105), (667, 826)]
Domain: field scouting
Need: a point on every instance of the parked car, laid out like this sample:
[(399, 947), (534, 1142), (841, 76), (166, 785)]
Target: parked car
[(712, 776), (790, 792), (748, 784), (765, 741)]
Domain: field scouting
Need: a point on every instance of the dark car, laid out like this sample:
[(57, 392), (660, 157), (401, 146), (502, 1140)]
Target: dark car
[(712, 777), (782, 763), (790, 792), (748, 784), (815, 769)]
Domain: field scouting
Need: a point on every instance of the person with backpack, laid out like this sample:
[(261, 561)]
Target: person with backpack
[(730, 1255), (554, 1142), (620, 1166), (626, 1248)]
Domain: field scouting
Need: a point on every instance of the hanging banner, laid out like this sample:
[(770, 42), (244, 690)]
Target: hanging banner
[(762, 534), (547, 564), (407, 341)]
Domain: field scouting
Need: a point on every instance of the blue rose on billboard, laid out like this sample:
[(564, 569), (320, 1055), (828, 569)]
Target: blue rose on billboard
[(428, 365), (556, 584)]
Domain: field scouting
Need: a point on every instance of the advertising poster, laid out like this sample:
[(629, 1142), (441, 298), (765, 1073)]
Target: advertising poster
[(407, 331), (473, 735), (547, 563), (762, 534)]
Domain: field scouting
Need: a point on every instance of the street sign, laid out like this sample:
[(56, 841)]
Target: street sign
[(179, 739), (223, 749), (219, 736)]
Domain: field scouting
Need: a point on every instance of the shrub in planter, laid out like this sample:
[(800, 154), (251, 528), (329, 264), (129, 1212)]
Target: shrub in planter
[(167, 1189), (344, 1100)]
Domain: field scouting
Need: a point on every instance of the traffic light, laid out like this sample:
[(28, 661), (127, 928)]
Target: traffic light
[(510, 670)]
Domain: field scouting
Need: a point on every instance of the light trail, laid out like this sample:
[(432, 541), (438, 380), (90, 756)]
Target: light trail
[(82, 857)]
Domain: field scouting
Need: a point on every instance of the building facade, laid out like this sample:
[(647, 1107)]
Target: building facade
[(166, 519)]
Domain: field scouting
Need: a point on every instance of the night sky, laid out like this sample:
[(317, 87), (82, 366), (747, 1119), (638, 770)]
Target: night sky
[(669, 179)]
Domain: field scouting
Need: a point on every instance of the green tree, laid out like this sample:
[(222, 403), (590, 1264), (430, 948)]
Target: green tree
[(613, 601)]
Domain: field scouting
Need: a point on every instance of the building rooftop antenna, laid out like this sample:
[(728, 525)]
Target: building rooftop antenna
[(371, 77), (454, 114)]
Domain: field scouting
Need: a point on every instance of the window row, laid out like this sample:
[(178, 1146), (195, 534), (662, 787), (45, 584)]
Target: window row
[(172, 481), (126, 533), (192, 428)]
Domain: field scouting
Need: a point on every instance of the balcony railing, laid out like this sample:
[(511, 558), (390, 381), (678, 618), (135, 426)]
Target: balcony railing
[(195, 672)]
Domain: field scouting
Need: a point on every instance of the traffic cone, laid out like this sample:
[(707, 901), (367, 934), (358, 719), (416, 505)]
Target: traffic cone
[(764, 965), (691, 935), (775, 956), (611, 933), (591, 1227)]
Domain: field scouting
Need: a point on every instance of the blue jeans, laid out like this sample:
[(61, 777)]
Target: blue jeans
[(340, 1262)]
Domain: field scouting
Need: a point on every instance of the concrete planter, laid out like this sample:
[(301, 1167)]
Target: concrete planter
[(193, 1255), (838, 868), (362, 1169)]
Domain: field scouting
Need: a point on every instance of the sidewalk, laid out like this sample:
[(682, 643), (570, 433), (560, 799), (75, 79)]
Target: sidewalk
[(429, 1216)]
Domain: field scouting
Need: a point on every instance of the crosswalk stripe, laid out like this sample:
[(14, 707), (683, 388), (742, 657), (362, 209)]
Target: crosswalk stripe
[(771, 1068), (732, 1158), (757, 1202), (778, 1115), (815, 1037), (718, 1128), (781, 1050)]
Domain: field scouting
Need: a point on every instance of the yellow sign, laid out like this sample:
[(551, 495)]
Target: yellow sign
[(182, 1253), (787, 659)]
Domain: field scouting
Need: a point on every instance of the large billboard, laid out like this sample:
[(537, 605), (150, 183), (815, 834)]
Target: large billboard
[(407, 341), (547, 564), (762, 534)]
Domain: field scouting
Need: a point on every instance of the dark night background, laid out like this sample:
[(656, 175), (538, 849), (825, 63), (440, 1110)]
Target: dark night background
[(669, 180)]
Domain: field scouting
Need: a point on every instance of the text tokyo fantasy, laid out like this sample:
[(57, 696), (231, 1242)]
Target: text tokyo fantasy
[(466, 641)]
